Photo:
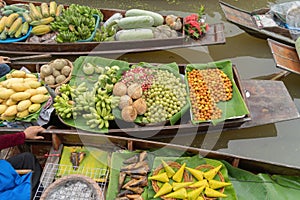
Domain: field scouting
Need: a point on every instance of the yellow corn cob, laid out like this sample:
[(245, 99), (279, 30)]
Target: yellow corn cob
[(45, 10), (25, 28), (53, 7), (15, 26), (41, 29), (43, 21), (2, 23), (35, 12), (19, 31), (10, 19), (27, 17)]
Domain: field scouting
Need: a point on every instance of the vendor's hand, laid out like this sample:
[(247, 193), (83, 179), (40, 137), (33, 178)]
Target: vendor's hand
[(32, 131)]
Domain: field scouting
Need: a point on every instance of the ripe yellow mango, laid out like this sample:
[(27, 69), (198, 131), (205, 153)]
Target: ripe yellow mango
[(34, 107), (23, 114), (19, 96), (23, 105), (18, 86), (2, 108), (39, 98), (10, 111), (18, 74), (6, 93)]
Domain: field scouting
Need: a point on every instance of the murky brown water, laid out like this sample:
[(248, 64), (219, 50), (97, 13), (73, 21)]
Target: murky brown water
[(276, 142)]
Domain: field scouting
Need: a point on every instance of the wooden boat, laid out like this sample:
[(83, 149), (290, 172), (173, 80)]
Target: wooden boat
[(285, 56), (245, 20), (215, 35), (49, 152), (265, 107)]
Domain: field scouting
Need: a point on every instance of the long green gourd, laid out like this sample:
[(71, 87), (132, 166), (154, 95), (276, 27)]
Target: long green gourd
[(158, 18)]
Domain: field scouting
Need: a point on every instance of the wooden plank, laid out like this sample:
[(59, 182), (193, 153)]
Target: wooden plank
[(269, 102), (285, 56)]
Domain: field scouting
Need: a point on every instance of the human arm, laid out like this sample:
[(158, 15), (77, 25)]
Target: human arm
[(10, 140)]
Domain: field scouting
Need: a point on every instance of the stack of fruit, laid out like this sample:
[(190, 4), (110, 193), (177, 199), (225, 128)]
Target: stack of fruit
[(13, 26), (41, 16), (21, 94), (162, 94), (173, 182)]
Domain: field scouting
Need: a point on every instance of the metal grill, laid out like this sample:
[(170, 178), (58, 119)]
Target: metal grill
[(53, 172)]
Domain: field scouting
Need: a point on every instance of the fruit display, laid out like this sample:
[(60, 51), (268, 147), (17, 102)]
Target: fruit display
[(207, 88), (153, 94), (92, 102), (76, 23), (12, 26), (21, 95), (56, 72), (213, 94)]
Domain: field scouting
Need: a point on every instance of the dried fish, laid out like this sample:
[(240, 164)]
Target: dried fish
[(133, 159), (74, 160), (122, 177), (135, 196), (134, 176), (143, 155), (134, 166), (125, 193), (81, 156), (140, 171), (137, 190), (142, 182)]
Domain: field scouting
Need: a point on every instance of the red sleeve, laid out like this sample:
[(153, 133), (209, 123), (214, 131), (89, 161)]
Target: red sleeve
[(10, 140)]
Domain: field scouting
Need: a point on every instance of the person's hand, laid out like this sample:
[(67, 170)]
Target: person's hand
[(32, 131)]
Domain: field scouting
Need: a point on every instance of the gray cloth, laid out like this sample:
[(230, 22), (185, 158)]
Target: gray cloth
[(4, 69)]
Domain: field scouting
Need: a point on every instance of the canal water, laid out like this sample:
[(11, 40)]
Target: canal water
[(278, 142)]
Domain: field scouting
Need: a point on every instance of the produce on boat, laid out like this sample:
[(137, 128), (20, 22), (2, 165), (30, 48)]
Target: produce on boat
[(21, 96)]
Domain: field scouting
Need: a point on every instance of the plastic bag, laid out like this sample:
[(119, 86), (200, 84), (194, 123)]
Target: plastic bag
[(293, 22), (281, 10)]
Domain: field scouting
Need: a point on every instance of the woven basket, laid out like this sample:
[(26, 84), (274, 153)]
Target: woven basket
[(71, 179), (206, 166), (172, 164), (67, 78)]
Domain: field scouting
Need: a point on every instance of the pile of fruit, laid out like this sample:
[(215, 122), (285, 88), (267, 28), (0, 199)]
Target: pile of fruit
[(93, 102), (56, 72), (208, 87), (21, 94), (154, 94), (170, 182), (139, 25), (12, 26)]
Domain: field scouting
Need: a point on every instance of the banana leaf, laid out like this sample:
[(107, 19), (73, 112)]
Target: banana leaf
[(193, 162), (235, 107), (116, 164), (29, 118), (94, 164), (78, 75), (263, 186)]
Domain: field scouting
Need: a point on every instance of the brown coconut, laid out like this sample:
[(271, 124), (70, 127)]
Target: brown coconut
[(140, 106), (125, 100), (135, 91), (129, 113), (120, 89)]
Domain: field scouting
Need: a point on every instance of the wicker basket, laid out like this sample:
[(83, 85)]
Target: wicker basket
[(72, 179), (70, 64), (206, 166), (172, 164)]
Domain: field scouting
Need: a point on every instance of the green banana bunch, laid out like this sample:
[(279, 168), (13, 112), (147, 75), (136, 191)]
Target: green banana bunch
[(64, 106)]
